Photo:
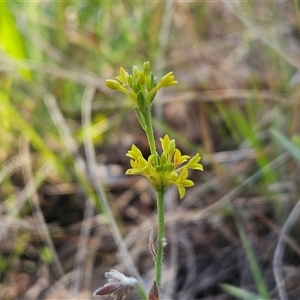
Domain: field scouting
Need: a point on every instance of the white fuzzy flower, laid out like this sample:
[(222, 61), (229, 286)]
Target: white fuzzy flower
[(115, 276), (118, 285)]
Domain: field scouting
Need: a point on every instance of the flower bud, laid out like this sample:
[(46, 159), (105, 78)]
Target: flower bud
[(123, 76), (168, 80), (135, 71), (141, 78), (113, 84), (147, 67)]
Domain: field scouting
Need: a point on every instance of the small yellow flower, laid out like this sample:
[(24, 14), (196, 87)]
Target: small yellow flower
[(182, 182), (179, 159), (134, 153)]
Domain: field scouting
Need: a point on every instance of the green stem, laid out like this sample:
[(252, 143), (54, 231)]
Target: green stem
[(141, 291), (160, 202), (160, 238), (150, 134)]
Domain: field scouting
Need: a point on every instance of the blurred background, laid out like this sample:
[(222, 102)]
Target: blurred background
[(64, 136)]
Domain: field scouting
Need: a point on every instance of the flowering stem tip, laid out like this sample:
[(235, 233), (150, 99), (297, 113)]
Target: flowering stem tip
[(169, 168)]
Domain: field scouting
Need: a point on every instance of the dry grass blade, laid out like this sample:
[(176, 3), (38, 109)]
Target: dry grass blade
[(278, 255), (233, 193), (191, 266), (267, 37), (72, 147), (29, 190), (36, 209)]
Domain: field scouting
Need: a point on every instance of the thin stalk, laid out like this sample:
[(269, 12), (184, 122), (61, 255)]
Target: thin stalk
[(160, 203), (253, 263), (150, 134), (141, 291), (160, 237)]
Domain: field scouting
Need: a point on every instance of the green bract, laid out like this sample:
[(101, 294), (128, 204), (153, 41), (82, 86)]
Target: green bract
[(170, 169)]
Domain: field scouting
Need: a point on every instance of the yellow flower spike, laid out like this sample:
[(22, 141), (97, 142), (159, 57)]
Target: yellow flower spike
[(167, 172)]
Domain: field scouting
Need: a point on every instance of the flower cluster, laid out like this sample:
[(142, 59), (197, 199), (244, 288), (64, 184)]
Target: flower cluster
[(140, 86), (172, 167), (118, 285)]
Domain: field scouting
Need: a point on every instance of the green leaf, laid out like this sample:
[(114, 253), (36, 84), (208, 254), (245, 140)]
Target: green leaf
[(11, 40), (290, 146), (240, 293)]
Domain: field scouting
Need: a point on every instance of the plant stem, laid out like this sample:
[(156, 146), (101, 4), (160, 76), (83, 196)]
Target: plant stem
[(160, 203), (150, 134), (141, 291), (160, 237)]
